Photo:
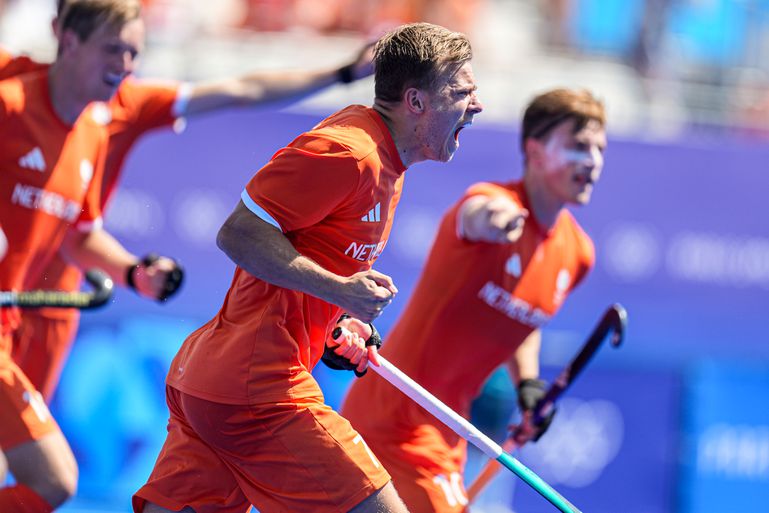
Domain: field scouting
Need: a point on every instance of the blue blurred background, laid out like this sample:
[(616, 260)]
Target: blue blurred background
[(676, 421)]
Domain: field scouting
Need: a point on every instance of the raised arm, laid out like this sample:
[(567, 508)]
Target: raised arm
[(273, 86), (266, 253)]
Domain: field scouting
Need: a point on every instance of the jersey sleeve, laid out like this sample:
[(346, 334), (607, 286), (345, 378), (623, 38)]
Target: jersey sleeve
[(11, 66), (480, 189), (152, 104), (299, 187)]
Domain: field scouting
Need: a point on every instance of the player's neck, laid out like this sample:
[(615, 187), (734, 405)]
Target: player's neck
[(401, 133), (545, 206), (66, 102)]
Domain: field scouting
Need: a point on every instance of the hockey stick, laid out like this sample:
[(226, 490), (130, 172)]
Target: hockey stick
[(463, 428), (102, 291), (613, 322)]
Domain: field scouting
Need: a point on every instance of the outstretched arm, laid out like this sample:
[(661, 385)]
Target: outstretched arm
[(272, 86), (494, 219), (264, 252)]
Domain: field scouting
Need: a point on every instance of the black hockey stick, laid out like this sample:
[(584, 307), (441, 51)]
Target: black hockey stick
[(102, 292), (613, 322)]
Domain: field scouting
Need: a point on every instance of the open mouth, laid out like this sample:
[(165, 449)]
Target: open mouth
[(583, 180), (459, 129)]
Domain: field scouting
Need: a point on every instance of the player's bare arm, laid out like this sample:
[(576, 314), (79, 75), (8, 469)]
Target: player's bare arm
[(524, 363), (491, 219), (524, 369), (263, 251), (272, 86), (97, 248)]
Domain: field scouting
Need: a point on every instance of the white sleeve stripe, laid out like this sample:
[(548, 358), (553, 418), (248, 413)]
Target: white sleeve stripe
[(183, 95), (90, 226), (258, 211)]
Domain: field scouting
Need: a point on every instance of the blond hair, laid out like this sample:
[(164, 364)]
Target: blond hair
[(83, 17), (550, 109), (416, 55)]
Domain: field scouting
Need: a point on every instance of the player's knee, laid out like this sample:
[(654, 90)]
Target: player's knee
[(384, 500)]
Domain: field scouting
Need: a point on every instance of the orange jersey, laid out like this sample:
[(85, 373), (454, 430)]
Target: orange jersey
[(51, 176), (474, 304), (138, 107), (333, 193), (11, 66)]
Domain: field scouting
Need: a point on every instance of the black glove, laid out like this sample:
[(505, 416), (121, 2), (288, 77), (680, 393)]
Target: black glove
[(173, 279), (338, 362), (530, 393)]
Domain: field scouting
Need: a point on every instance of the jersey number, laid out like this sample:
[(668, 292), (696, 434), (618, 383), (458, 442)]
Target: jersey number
[(452, 488)]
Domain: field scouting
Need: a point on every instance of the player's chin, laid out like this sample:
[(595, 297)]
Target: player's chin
[(104, 94), (448, 151), (582, 198)]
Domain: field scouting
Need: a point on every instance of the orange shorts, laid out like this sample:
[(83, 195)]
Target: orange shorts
[(25, 417), (221, 458), (426, 472), (41, 346)]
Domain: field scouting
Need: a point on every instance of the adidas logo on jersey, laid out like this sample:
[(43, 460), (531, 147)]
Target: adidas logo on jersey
[(33, 160), (373, 215)]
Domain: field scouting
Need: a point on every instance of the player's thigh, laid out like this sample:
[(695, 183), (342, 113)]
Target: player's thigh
[(47, 466), (298, 456), (25, 416), (385, 500), (188, 473)]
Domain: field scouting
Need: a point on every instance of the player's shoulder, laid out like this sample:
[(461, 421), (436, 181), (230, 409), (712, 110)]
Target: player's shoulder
[(17, 91), (133, 92), (353, 130), (509, 190), (13, 65)]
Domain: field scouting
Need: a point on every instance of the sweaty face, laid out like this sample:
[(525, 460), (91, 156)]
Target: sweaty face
[(447, 111), (573, 162), (107, 57)]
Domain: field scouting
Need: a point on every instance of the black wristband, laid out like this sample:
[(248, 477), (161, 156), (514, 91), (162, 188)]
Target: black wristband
[(148, 260), (336, 362), (344, 74), (129, 276)]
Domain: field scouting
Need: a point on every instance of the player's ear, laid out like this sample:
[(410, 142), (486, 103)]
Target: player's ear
[(68, 41), (415, 100), (534, 150), (55, 27)]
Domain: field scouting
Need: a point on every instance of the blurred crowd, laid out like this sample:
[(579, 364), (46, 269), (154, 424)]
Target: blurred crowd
[(664, 66)]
